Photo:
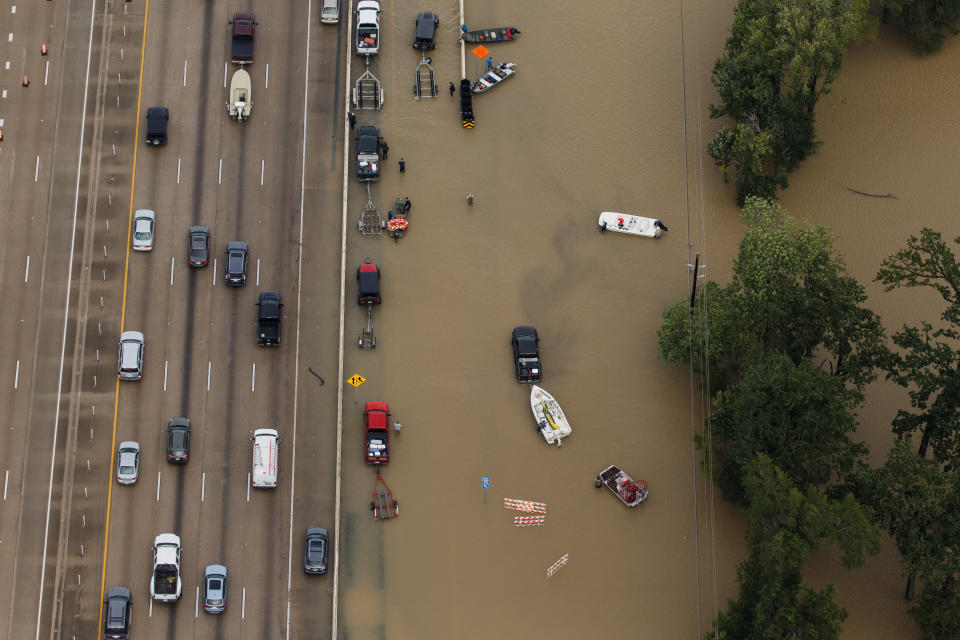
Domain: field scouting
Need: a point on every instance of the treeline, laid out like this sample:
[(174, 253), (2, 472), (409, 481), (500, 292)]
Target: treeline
[(785, 351), (780, 58)]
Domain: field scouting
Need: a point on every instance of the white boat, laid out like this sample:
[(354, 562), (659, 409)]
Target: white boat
[(630, 492), (240, 104), (551, 423), (635, 225), (494, 76)]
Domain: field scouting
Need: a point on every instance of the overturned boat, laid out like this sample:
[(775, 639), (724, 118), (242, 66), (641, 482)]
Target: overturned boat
[(634, 225), (494, 76), (551, 423), (630, 492)]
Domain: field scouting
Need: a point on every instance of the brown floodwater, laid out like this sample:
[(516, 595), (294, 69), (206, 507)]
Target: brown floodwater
[(604, 114)]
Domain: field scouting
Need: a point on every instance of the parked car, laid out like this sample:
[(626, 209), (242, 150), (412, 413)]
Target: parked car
[(368, 153), (368, 284), (425, 35), (130, 356), (315, 550), (368, 27), (128, 462), (157, 118), (235, 272), (143, 221), (526, 354), (215, 588), (198, 246), (178, 441), (330, 11), (117, 616)]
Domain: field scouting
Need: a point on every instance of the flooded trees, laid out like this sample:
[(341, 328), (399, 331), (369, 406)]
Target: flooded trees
[(926, 22), (780, 58)]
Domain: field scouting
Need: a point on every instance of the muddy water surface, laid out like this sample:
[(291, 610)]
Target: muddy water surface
[(614, 119)]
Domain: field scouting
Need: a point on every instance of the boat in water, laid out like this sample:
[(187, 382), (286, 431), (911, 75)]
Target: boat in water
[(495, 34), (494, 76), (634, 225), (630, 492), (551, 423)]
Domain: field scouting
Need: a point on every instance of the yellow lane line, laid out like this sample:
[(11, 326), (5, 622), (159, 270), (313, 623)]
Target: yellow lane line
[(123, 316)]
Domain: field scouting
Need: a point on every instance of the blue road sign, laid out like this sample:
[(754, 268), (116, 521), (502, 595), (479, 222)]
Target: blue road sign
[(485, 482)]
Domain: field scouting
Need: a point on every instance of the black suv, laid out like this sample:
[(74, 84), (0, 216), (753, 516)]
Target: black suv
[(157, 125), (235, 273), (198, 246), (526, 354), (116, 619), (425, 38), (178, 441)]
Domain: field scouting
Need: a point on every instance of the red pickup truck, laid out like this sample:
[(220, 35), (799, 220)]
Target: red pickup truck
[(244, 28), (376, 434)]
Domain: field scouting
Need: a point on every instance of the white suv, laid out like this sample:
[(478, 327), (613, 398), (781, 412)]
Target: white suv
[(130, 358)]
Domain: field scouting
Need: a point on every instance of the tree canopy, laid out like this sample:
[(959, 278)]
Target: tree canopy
[(926, 22)]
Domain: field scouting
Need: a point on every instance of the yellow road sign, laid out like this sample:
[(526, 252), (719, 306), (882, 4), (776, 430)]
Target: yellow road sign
[(356, 380), (480, 51)]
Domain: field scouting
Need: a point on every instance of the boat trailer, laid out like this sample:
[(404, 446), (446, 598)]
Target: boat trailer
[(367, 94), (426, 84), (370, 222), (367, 340), (383, 505)]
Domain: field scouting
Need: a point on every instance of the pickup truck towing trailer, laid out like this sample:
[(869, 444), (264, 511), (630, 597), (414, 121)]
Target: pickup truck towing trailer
[(375, 433), (165, 586), (244, 28), (368, 153), (368, 28)]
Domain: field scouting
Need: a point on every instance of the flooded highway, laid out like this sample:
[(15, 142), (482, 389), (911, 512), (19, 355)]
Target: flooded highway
[(610, 115)]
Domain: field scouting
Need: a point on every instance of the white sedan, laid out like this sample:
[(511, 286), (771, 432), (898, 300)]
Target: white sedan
[(143, 223)]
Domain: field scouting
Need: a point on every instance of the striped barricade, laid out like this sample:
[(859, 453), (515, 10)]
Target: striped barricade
[(529, 521), (524, 505), (556, 565)]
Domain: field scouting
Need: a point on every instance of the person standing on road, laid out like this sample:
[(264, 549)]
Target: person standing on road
[(352, 118), (397, 427), (384, 147), (403, 166), (452, 89)]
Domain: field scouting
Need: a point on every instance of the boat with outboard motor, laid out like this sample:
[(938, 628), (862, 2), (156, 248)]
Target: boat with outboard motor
[(551, 422), (634, 225), (497, 74), (240, 104), (495, 34), (630, 492)]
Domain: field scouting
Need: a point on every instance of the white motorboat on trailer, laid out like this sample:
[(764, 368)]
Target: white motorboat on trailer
[(551, 423), (635, 225), (240, 104)]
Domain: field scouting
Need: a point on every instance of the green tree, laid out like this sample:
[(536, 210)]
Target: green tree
[(784, 527), (798, 416), (928, 362), (926, 22), (780, 58)]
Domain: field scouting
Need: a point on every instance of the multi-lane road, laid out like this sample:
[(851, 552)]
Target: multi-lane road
[(73, 165)]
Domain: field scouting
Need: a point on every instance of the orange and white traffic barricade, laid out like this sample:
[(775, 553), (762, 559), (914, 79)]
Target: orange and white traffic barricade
[(529, 521), (552, 569), (524, 505)]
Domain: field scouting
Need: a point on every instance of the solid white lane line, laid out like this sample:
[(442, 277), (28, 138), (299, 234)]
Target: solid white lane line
[(209, 368), (158, 485), (16, 376), (173, 261), (165, 363), (26, 275), (253, 378)]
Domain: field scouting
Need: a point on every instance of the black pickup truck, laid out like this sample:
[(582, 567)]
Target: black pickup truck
[(268, 322), (244, 28)]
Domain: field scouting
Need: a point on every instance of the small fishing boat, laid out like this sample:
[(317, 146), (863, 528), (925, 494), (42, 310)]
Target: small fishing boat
[(240, 104), (630, 492), (635, 225), (495, 34), (551, 423), (494, 76)]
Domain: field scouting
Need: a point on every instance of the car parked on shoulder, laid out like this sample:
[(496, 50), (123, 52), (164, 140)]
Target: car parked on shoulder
[(178, 441), (330, 12), (368, 284), (143, 226), (315, 548), (128, 462), (130, 356), (425, 36), (198, 246), (215, 588), (117, 614), (526, 354), (235, 271)]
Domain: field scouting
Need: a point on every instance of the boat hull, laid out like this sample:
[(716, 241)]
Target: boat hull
[(630, 224), (495, 34), (551, 421), (494, 77), (629, 491)]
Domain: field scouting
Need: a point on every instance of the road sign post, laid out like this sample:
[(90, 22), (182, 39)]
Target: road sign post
[(485, 484)]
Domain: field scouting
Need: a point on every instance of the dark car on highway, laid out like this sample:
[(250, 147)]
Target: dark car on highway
[(315, 545), (526, 354), (198, 246), (425, 35), (178, 441), (157, 118), (116, 618), (235, 271), (368, 284)]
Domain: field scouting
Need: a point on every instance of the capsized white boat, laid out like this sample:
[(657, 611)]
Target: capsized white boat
[(636, 225), (551, 423)]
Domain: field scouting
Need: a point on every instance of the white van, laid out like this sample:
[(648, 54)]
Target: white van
[(265, 445)]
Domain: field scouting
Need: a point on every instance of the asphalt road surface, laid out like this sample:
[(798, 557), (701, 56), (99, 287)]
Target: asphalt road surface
[(74, 166)]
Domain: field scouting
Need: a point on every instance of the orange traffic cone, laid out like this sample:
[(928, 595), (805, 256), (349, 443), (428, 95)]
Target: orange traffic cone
[(26, 82), (43, 48)]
